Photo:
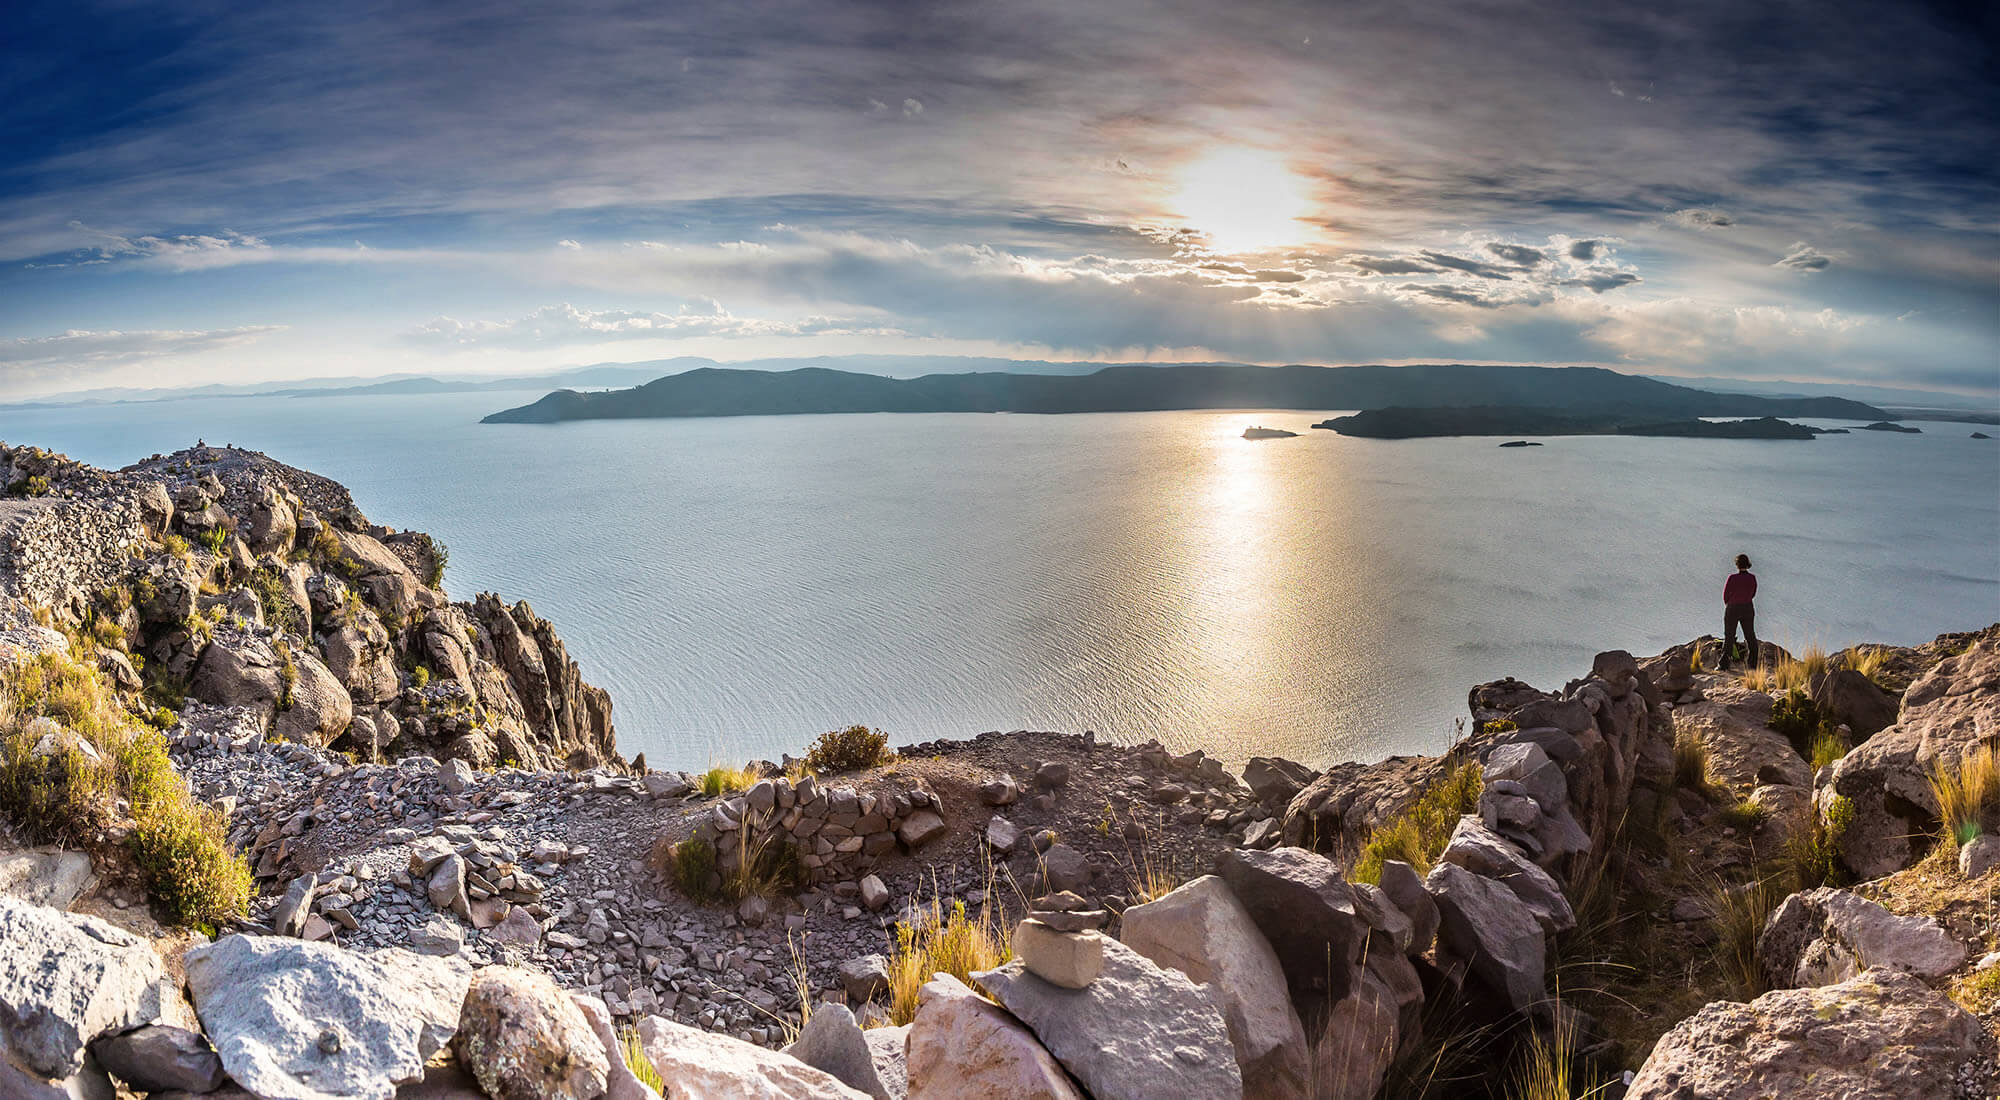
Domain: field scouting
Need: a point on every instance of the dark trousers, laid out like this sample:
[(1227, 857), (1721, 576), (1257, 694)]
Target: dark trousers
[(1734, 614)]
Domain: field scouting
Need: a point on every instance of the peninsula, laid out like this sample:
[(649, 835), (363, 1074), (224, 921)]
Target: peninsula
[(1136, 388), (1417, 423)]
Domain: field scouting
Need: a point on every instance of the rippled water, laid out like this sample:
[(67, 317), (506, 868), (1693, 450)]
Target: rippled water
[(741, 585)]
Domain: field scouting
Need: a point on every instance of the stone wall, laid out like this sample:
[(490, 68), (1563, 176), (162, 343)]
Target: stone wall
[(840, 831)]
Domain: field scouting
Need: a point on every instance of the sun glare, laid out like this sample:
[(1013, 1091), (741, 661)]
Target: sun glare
[(1244, 200)]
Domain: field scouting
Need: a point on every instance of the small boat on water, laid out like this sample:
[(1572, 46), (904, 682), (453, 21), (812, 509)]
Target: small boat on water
[(1260, 432)]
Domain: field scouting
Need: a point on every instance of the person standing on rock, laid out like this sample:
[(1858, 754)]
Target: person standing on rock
[(1738, 609)]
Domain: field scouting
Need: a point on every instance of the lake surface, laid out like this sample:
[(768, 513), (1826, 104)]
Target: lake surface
[(740, 585)]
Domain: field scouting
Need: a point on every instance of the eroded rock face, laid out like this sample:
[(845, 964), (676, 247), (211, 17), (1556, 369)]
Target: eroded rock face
[(1946, 713), (1202, 931), (293, 1020), (1335, 812), (964, 1047), (1825, 936), (1307, 912), (524, 1039), (1485, 853), (1882, 1035), (697, 1065), (1136, 1033)]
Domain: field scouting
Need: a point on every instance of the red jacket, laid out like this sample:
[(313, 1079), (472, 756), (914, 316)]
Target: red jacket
[(1739, 588)]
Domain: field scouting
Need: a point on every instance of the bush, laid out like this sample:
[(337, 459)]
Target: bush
[(68, 795), (851, 749), (175, 545), (1691, 763), (1814, 852), (276, 602), (440, 557), (691, 864), (1800, 720), (1418, 834), (216, 539), (420, 677)]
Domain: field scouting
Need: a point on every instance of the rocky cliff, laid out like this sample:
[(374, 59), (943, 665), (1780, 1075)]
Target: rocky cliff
[(258, 595)]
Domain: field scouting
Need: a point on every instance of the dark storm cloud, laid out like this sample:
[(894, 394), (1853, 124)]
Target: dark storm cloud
[(1469, 266), (1442, 293), (1699, 218), (1804, 257), (1386, 265), (1598, 280), (1517, 254), (1583, 250)]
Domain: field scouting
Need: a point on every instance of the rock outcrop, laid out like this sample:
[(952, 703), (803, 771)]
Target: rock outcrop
[(1826, 936), (1878, 1036), (1947, 713)]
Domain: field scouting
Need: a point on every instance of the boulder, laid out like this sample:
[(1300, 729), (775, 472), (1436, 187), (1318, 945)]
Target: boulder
[(1202, 931), (1402, 885), (1483, 852), (874, 892), (157, 1057), (622, 1084), (238, 670), (518, 927), (1825, 936), (1947, 713), (523, 1038), (1335, 812), (1275, 781), (320, 707), (920, 828), (1071, 960), (1881, 1035), (863, 977), (1743, 751), (310, 1021), (1853, 700), (1063, 868), (1979, 855), (1485, 926), (890, 1048), (1385, 917), (440, 935), (49, 877), (1002, 835), (1001, 790), (1306, 911), (832, 1041), (700, 1065), (1138, 1031), (964, 1047), (1357, 1043), (66, 979)]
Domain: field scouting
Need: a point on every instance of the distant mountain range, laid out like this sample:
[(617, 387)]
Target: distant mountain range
[(1135, 388)]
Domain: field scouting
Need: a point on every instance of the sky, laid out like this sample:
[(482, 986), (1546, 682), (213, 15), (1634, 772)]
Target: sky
[(201, 193)]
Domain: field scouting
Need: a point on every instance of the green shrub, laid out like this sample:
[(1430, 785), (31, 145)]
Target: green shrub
[(851, 749), (1418, 834), (440, 556), (68, 795), (175, 545), (216, 539), (1744, 815), (692, 864), (275, 600), (1800, 720), (1814, 852), (420, 677)]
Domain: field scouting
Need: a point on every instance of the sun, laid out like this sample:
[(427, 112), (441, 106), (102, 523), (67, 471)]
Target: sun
[(1244, 200)]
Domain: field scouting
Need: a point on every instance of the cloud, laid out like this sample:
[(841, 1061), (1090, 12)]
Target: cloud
[(1583, 250), (1441, 293), (1519, 255), (569, 244), (1469, 266), (1804, 257), (1386, 265), (78, 347), (912, 108), (567, 324), (1698, 217), (1597, 280)]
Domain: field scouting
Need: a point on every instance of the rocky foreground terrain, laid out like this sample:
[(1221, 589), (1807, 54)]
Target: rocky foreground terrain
[(1658, 881)]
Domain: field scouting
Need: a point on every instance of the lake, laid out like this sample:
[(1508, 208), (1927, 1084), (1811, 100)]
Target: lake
[(740, 585)]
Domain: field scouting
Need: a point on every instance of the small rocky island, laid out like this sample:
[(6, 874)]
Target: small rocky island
[(1259, 432), (1421, 423), (1520, 443), (1890, 426), (346, 838)]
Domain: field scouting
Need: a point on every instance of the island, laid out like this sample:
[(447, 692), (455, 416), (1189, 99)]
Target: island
[(1520, 443), (1259, 432), (1980, 435), (710, 391), (1887, 426), (1417, 423)]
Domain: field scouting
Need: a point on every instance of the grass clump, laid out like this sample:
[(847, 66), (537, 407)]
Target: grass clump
[(848, 750), (1968, 794), (276, 602), (1979, 991), (1803, 722), (175, 545), (215, 539), (941, 939), (1813, 853), (722, 779), (67, 792), (1737, 913), (1827, 748), (691, 864), (1868, 660), (633, 1053), (1691, 763), (1744, 815), (1418, 834)]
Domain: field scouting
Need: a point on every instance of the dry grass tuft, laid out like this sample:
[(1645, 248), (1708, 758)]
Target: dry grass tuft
[(1868, 660), (722, 779), (1691, 763), (944, 939), (634, 1055), (1737, 913), (1418, 834), (1968, 794)]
